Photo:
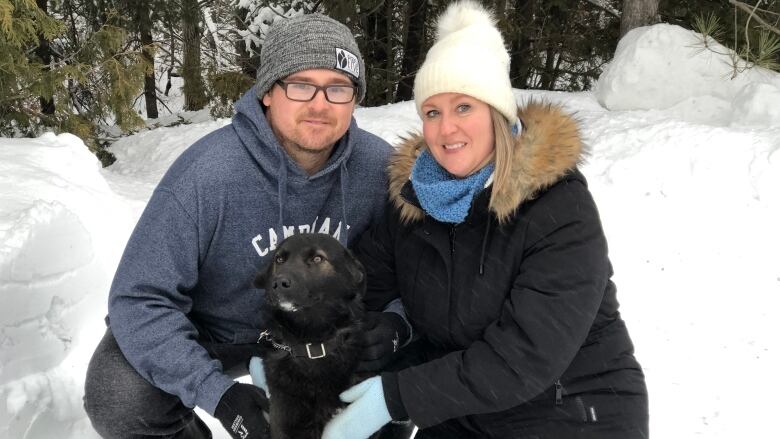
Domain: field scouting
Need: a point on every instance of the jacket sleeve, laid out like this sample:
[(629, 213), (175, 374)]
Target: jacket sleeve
[(544, 321), (148, 305)]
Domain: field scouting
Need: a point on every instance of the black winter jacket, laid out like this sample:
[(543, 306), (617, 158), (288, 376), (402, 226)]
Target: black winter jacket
[(513, 309)]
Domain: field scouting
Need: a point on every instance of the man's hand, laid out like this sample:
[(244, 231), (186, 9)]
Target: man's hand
[(385, 332), (366, 413), (241, 412), (232, 355)]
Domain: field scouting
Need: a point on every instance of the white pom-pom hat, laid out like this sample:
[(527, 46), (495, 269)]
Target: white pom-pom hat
[(468, 57)]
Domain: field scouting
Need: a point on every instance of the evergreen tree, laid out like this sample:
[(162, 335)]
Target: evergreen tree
[(58, 73), (28, 84), (140, 17)]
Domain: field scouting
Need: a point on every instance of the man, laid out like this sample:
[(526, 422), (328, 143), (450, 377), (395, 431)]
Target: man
[(182, 314)]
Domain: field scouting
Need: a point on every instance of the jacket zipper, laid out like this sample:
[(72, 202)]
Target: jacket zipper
[(580, 404), (450, 316), (452, 242), (558, 392)]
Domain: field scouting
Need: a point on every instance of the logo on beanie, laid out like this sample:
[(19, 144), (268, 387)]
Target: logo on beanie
[(348, 62)]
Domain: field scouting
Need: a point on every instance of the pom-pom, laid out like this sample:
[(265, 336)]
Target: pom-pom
[(460, 15)]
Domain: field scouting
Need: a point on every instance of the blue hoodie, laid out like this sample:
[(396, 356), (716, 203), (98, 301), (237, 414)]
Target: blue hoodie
[(212, 222)]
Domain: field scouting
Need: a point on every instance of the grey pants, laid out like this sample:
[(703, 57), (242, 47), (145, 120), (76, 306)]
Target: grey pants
[(120, 403)]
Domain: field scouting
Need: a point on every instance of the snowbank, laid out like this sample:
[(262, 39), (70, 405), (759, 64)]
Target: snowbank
[(61, 232), (666, 67), (691, 213)]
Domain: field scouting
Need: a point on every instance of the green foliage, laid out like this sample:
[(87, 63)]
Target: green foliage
[(708, 25), (21, 22), (90, 86), (767, 53), (23, 79), (124, 80), (226, 88)]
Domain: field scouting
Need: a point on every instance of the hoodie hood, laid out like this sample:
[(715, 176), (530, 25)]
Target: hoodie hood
[(548, 148), (282, 171), (261, 142)]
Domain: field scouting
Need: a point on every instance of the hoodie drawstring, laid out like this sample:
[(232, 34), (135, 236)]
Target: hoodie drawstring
[(343, 178), (282, 192), (484, 247)]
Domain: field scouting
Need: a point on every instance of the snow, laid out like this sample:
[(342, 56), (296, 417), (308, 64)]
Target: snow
[(665, 66), (684, 165)]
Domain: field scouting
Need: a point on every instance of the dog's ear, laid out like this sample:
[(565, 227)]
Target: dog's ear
[(355, 268), (263, 275), (260, 280)]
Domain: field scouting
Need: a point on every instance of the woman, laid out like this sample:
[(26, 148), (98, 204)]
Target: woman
[(495, 246)]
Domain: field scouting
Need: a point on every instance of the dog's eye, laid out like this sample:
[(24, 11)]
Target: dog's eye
[(317, 259), (279, 259)]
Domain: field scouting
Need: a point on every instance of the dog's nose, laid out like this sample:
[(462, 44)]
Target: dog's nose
[(281, 283)]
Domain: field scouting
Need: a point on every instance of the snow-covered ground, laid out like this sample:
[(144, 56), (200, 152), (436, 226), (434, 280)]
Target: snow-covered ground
[(685, 167)]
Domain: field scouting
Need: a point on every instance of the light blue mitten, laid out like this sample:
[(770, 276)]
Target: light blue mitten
[(257, 372), (366, 413)]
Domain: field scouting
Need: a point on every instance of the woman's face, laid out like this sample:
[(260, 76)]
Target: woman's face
[(459, 132)]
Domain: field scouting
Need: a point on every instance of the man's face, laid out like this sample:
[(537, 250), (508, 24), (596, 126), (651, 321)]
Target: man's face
[(313, 126)]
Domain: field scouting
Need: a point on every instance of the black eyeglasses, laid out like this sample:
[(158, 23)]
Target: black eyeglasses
[(303, 92)]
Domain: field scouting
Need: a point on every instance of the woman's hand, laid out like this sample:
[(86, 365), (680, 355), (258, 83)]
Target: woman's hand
[(385, 332), (257, 372), (366, 413)]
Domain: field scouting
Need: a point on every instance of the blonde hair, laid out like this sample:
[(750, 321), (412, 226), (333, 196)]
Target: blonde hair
[(503, 151)]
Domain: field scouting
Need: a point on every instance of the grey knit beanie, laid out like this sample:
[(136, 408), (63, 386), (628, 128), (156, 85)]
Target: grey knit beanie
[(309, 41)]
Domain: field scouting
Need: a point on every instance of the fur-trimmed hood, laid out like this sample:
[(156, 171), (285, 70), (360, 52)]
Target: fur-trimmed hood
[(548, 147)]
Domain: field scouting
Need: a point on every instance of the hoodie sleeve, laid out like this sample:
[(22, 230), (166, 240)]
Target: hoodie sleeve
[(148, 305), (544, 321)]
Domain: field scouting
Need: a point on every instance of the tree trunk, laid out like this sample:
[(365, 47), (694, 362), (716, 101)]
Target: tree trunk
[(554, 49), (194, 87), (391, 72), (376, 57), (637, 13), (247, 63), (44, 53), (150, 86), (413, 50), (548, 75), (520, 43)]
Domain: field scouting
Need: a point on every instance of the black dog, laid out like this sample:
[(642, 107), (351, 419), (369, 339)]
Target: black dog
[(314, 289)]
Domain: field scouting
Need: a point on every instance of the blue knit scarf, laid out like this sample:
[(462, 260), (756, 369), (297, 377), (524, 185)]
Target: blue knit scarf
[(442, 196)]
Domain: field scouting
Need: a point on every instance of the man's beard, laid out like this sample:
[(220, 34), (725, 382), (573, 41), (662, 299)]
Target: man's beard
[(291, 145), (306, 149)]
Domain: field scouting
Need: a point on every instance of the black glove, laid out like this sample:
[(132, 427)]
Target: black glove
[(241, 412), (385, 333)]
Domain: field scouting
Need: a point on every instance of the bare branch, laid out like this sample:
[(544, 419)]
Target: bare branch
[(602, 5), (749, 9)]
